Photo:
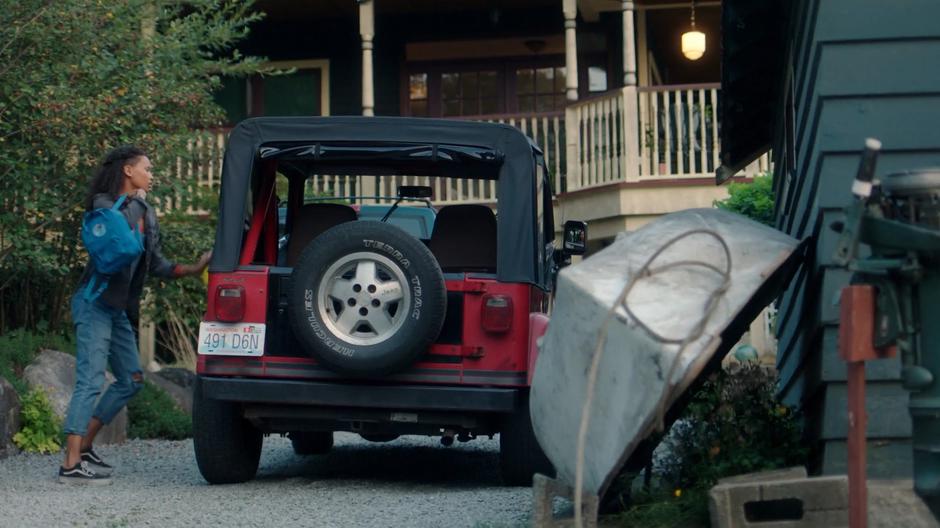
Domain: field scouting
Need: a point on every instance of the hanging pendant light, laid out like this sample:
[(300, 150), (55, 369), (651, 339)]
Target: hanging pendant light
[(693, 40)]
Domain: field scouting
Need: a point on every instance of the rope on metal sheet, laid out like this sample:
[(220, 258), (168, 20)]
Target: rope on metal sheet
[(647, 271)]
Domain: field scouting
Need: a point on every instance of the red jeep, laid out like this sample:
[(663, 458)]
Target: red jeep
[(329, 320)]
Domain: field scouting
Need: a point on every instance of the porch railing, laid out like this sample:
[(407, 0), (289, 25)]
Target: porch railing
[(202, 165), (674, 135), (626, 134)]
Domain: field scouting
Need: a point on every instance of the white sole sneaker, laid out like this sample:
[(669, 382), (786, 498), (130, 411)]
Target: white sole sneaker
[(83, 481), (82, 475)]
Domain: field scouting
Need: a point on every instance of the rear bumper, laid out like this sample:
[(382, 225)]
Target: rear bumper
[(347, 395)]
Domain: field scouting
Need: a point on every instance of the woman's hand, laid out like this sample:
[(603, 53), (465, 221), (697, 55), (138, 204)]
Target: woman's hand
[(197, 268), (204, 261), (140, 193)]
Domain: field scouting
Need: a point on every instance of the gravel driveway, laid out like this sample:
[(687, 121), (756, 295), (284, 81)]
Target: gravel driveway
[(412, 481)]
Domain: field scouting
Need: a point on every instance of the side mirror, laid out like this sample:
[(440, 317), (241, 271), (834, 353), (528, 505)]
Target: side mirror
[(574, 240)]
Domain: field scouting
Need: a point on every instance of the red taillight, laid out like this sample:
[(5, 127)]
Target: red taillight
[(230, 303), (497, 313)]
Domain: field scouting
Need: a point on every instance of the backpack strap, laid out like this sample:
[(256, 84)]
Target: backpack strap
[(90, 293), (118, 203)]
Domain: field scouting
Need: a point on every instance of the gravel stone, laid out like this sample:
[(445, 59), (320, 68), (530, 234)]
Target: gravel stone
[(412, 481)]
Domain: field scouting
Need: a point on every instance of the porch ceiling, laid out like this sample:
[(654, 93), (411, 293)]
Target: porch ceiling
[(294, 9), (589, 9)]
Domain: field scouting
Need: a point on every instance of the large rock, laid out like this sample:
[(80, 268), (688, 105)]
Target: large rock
[(178, 384), (9, 418), (54, 372)]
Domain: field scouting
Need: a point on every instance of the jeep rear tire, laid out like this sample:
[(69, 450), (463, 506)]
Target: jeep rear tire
[(311, 442), (227, 446), (366, 299), (520, 455)]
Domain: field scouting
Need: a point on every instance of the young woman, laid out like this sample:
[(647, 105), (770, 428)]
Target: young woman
[(103, 331)]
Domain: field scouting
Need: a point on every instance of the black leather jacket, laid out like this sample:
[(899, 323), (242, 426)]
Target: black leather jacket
[(124, 288)]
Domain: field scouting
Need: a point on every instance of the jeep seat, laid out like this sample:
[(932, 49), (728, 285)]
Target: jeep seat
[(311, 221), (464, 238)]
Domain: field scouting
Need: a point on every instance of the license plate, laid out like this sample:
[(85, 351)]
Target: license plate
[(231, 339)]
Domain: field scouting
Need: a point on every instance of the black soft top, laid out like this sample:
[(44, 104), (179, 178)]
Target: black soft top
[(504, 152)]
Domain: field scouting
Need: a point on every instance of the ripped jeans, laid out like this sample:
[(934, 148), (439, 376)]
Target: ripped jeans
[(103, 337)]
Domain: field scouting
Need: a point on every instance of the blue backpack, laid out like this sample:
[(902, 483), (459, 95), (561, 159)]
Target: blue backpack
[(112, 243)]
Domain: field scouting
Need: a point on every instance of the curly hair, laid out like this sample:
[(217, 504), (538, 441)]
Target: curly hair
[(109, 177)]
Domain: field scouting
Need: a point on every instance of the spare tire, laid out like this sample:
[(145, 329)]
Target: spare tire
[(366, 298)]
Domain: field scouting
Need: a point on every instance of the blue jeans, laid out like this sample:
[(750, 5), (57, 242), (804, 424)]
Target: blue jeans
[(103, 336)]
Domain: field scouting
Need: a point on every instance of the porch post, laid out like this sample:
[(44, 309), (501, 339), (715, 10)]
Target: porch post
[(572, 114), (367, 32), (570, 8), (630, 115), (629, 44)]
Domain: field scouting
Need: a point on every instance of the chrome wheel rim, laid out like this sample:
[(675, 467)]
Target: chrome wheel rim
[(363, 298)]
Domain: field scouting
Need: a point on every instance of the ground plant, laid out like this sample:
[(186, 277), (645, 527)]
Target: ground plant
[(152, 414), (734, 424), (41, 430), (78, 77)]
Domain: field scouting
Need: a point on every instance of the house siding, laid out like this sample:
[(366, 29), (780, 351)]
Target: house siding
[(855, 69)]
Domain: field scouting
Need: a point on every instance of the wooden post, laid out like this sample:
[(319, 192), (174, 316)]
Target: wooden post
[(147, 336), (629, 44), (572, 148), (570, 8), (367, 32), (856, 345), (630, 123), (146, 330)]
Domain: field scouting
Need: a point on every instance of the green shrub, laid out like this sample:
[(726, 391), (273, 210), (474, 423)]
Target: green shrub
[(733, 425), (176, 306), (754, 200), (664, 509), (79, 78), (20, 347), (153, 414), (41, 430)]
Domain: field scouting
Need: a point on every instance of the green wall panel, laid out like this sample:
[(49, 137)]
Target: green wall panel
[(859, 68), (887, 458)]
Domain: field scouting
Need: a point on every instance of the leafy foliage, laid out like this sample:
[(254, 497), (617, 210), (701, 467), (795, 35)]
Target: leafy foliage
[(754, 200), (78, 77), (153, 414), (667, 509), (42, 430), (733, 425), (176, 306), (19, 348)]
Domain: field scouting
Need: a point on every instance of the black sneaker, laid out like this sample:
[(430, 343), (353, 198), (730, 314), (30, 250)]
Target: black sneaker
[(81, 474), (97, 465)]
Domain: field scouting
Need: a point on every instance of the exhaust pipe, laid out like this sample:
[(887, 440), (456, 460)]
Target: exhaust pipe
[(447, 439)]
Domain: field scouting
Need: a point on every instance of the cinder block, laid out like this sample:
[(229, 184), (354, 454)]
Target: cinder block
[(545, 490), (817, 494), (767, 501)]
